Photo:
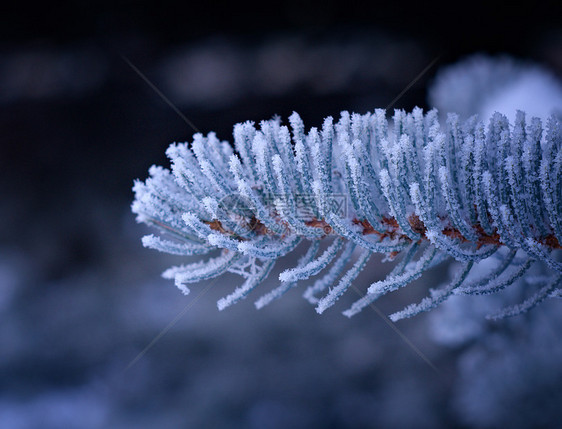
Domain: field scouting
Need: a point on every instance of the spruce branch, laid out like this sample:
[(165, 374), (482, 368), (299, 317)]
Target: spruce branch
[(415, 190)]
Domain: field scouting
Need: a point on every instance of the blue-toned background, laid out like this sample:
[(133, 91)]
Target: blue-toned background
[(92, 337)]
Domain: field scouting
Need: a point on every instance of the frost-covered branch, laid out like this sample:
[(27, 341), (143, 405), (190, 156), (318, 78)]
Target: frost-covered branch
[(413, 189)]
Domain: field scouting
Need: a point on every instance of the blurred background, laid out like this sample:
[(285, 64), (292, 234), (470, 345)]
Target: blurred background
[(92, 336)]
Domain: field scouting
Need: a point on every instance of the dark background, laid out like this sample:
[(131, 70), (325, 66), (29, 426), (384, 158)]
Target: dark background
[(80, 297)]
